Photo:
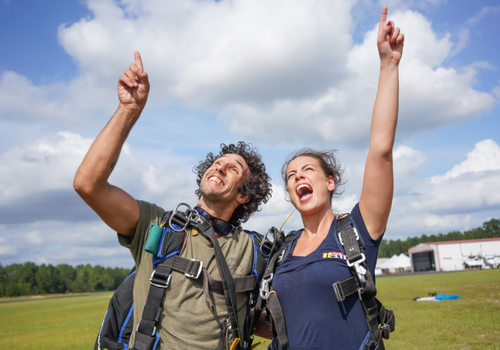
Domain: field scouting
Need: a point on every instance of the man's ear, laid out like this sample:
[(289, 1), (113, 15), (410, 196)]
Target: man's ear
[(242, 199)]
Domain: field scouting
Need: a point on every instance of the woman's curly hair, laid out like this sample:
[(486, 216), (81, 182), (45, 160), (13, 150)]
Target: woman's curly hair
[(258, 184), (328, 161)]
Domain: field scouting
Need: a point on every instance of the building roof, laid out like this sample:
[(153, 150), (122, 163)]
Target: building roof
[(427, 246)]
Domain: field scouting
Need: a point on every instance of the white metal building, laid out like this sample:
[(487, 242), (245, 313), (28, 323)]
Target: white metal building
[(455, 255)]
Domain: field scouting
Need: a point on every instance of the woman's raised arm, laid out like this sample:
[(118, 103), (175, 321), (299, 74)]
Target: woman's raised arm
[(378, 182)]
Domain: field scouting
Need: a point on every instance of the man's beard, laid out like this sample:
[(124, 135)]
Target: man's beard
[(212, 196)]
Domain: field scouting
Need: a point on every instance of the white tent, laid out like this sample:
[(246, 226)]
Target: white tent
[(389, 263), (396, 263)]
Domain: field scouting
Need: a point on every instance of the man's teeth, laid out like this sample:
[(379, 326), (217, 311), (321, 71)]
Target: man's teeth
[(216, 180)]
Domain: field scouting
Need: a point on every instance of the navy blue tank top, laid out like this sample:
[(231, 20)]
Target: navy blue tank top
[(314, 319)]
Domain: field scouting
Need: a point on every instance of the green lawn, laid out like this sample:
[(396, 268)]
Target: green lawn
[(472, 322)]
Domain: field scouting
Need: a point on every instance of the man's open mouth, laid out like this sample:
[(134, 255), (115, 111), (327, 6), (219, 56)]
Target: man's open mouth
[(216, 180)]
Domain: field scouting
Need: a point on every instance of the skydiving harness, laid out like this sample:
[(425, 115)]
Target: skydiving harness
[(165, 243), (380, 320)]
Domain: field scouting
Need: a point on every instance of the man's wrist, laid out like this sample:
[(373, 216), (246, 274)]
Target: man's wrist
[(129, 109)]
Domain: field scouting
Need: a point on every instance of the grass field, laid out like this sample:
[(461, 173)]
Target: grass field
[(472, 322)]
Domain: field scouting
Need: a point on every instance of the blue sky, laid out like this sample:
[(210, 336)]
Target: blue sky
[(282, 75)]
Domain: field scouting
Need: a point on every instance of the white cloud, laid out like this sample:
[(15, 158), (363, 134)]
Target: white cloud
[(431, 95), (404, 4), (38, 179), (479, 16), (292, 78), (57, 242), (47, 164), (485, 156), (59, 103), (407, 162), (447, 202), (208, 53)]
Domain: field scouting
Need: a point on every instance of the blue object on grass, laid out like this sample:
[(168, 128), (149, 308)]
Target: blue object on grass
[(447, 297)]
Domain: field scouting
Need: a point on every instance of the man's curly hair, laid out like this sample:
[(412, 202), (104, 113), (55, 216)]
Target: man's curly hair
[(258, 184)]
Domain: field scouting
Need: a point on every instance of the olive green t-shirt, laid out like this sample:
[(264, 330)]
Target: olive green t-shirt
[(186, 321)]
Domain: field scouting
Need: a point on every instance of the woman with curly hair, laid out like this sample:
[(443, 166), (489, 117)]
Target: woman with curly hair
[(303, 282)]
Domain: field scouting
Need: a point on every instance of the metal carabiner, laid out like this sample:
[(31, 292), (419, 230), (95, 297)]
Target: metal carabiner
[(174, 213)]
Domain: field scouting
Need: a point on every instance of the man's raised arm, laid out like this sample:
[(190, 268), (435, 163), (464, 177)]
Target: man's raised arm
[(116, 207)]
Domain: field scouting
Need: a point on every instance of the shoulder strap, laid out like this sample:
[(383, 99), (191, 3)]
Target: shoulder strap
[(266, 297), (352, 245), (227, 279), (362, 282), (146, 336)]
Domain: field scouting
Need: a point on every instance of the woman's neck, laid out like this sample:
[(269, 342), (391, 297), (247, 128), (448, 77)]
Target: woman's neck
[(318, 222)]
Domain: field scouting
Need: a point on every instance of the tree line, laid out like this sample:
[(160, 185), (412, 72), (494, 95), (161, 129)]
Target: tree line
[(30, 279), (490, 229)]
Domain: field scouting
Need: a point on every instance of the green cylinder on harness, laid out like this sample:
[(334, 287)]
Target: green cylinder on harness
[(154, 239)]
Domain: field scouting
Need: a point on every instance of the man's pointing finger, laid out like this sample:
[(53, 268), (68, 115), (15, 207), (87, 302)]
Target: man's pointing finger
[(138, 60)]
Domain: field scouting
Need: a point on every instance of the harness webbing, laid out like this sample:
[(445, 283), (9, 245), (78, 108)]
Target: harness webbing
[(361, 282), (274, 307), (146, 336), (227, 279)]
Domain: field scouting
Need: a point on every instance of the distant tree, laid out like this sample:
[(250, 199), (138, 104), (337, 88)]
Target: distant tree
[(454, 236), (492, 228), (489, 229)]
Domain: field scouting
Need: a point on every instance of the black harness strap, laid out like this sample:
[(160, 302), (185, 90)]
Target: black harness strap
[(274, 307), (242, 284), (362, 282), (227, 280), (145, 335), (190, 267)]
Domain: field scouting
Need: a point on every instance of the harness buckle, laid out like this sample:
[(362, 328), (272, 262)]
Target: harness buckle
[(338, 292), (164, 286), (152, 334), (264, 286), (357, 262), (200, 268), (360, 270), (360, 292), (384, 327)]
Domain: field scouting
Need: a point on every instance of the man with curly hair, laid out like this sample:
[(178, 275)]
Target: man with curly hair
[(232, 186)]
